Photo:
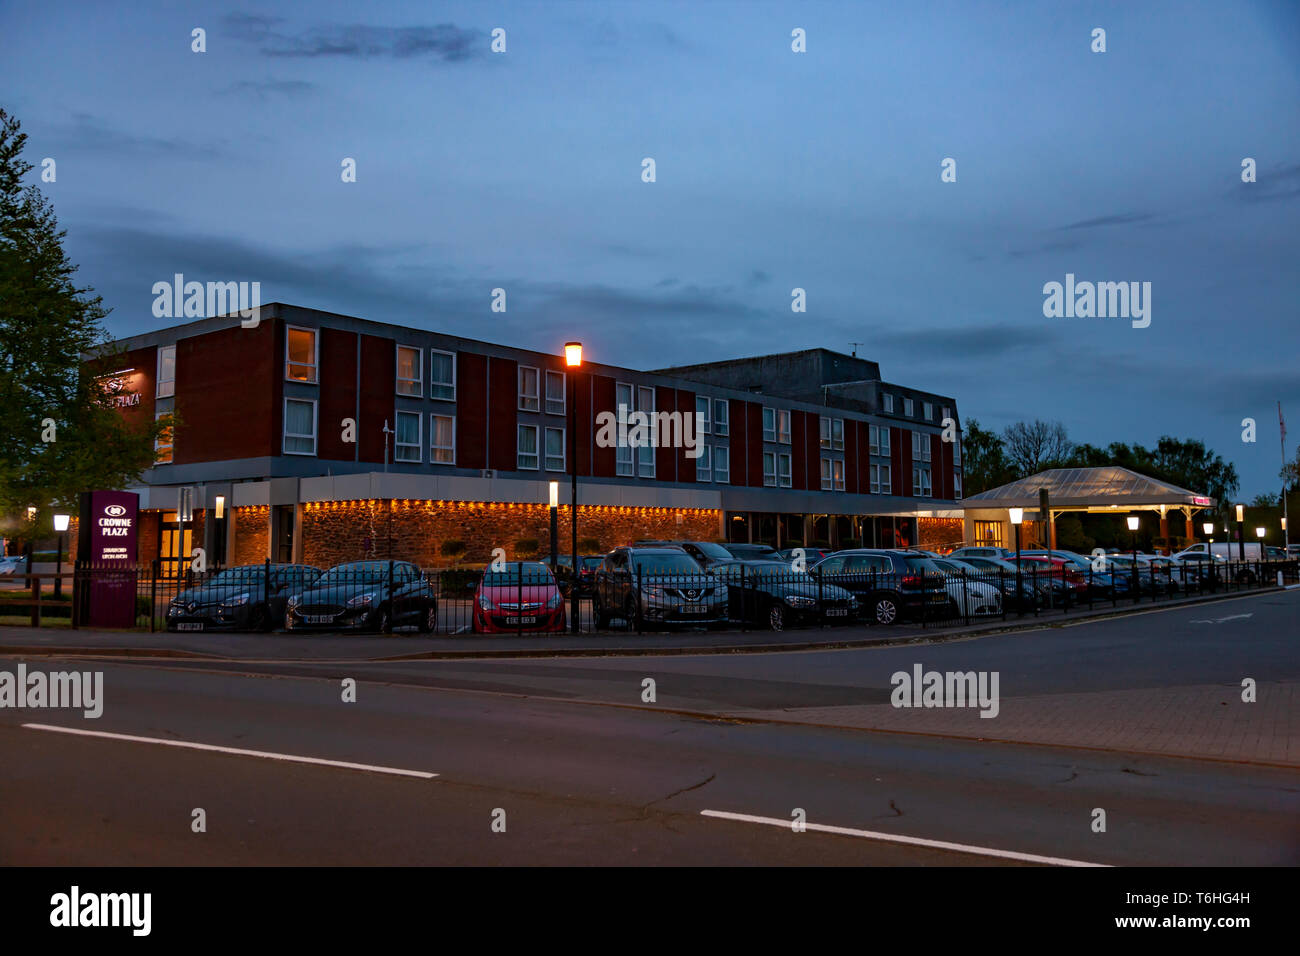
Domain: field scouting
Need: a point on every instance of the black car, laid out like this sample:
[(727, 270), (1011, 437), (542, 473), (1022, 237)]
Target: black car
[(889, 585), (588, 565), (251, 597), (656, 586), (753, 552), (705, 553), (773, 594), (810, 555), (365, 595)]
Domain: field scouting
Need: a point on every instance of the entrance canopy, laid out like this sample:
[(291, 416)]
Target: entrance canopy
[(1109, 488)]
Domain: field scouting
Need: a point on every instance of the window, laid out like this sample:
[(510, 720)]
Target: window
[(832, 474), (410, 379), (442, 375), (826, 431), (162, 445), (884, 440), (722, 464), (528, 389), (956, 485), (826, 472), (921, 481), (555, 449), (407, 443), (442, 439), (769, 469), (300, 356), (554, 392), (956, 451), (928, 410), (837, 434), (908, 407), (947, 412), (874, 436), (880, 480), (166, 371), (702, 417), (526, 459), (837, 474), (299, 427), (703, 465), (721, 412), (783, 426), (783, 469), (988, 534), (889, 404), (920, 446), (645, 454), (623, 453), (769, 424)]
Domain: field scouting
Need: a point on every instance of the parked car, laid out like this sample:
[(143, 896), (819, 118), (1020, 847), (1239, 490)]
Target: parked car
[(774, 594), (588, 564), (521, 596), (1149, 580), (810, 555), (967, 595), (663, 585), (12, 564), (1063, 580), (753, 552), (705, 553), (981, 551), (1102, 582), (1002, 574), (889, 584), (358, 596), (1230, 550), (243, 598)]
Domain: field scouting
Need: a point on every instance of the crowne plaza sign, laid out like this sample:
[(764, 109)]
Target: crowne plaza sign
[(107, 541)]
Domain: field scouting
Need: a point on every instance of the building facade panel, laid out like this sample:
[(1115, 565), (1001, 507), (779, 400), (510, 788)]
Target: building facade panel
[(471, 410), (223, 395), (377, 401), (339, 396), (503, 419)]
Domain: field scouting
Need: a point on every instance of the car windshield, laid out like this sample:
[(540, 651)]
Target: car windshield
[(924, 565), (680, 563), (517, 572), (594, 562), (364, 572), (245, 575), (713, 551)]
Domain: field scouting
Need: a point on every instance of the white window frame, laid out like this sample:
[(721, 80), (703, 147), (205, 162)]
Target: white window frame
[(922, 481), (419, 439), (721, 465), (433, 434), (921, 450), (704, 464), (769, 469), (551, 404), (783, 434), (645, 454), (909, 407), (546, 455), (769, 416), (889, 404), (702, 417), (837, 434), (837, 474), (721, 423), (519, 454), (825, 429), (783, 469), (956, 485), (624, 455), (158, 379), (928, 410), (171, 446), (315, 360), (315, 427), (524, 396), (884, 441), (956, 451), (418, 381), (873, 436), (452, 384), (826, 474)]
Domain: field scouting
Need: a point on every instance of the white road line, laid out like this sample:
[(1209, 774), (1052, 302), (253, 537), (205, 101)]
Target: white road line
[(268, 755), (895, 838)]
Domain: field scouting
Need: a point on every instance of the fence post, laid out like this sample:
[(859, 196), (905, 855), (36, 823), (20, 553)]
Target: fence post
[(519, 598), (1002, 589), (154, 565), (821, 603), (638, 597), (36, 594), (392, 602)]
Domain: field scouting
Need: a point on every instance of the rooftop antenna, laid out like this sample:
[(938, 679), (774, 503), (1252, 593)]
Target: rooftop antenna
[(855, 347)]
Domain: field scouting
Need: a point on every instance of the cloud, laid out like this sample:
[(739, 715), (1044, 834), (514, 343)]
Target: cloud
[(970, 341), (445, 41), (1120, 219), (262, 89), (1280, 182), (87, 132)]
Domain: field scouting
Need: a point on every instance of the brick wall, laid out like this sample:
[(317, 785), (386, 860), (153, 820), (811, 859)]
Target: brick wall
[(334, 533), (252, 535)]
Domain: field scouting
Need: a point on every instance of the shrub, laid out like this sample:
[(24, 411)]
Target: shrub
[(452, 547), (457, 582), (589, 545), (526, 547)]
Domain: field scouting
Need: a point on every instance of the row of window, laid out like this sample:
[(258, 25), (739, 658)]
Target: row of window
[(909, 408)]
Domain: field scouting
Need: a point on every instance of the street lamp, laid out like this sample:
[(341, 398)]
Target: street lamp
[(1241, 534), (1208, 528), (1133, 529), (555, 527), (573, 360), (60, 527), (1017, 516)]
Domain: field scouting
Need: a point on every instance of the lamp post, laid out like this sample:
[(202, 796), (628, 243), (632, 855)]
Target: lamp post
[(1208, 528), (1259, 533), (555, 527), (573, 361), (1017, 516), (60, 527), (1241, 534), (1133, 529)]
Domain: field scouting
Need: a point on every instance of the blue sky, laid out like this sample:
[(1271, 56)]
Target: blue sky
[(775, 170)]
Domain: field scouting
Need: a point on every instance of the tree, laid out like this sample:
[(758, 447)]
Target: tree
[(983, 460), (1035, 446), (61, 435), (1267, 500)]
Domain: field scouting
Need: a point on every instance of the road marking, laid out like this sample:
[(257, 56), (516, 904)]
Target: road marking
[(895, 838), (1220, 620), (266, 754)]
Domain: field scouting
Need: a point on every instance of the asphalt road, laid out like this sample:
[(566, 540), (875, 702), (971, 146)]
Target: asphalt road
[(587, 772)]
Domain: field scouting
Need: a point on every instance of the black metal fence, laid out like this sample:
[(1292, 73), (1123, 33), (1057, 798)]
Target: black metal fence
[(523, 598)]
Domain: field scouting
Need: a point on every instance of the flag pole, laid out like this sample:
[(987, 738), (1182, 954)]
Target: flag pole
[(1286, 530)]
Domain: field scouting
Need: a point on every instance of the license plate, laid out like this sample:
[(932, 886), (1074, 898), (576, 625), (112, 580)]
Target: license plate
[(522, 619), (189, 627), (318, 618), (695, 609), (837, 612)]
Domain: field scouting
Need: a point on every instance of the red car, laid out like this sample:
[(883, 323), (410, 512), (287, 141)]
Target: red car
[(1057, 574), (521, 596)]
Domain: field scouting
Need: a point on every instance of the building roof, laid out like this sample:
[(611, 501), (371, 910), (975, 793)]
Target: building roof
[(1109, 486)]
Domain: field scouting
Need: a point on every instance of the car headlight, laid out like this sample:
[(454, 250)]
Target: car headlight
[(485, 603), (556, 600), (362, 600), (237, 601), (294, 601)]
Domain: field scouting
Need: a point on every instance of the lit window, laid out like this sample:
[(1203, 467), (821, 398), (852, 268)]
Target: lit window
[(837, 473), (783, 426), (554, 392), (528, 389), (722, 464), (527, 455), (555, 449), (299, 427), (300, 355), (442, 375), (407, 444), (410, 381), (442, 439), (166, 371), (721, 413)]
